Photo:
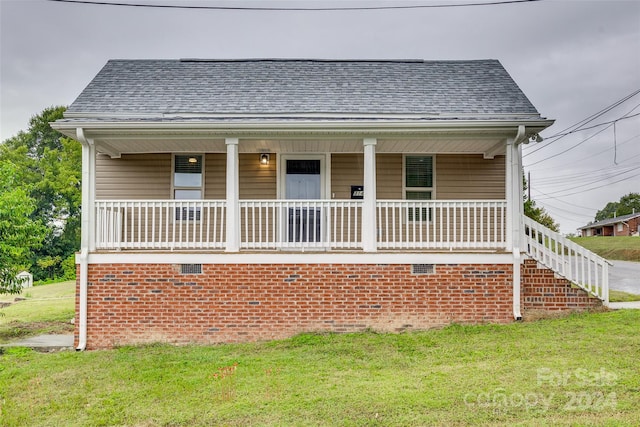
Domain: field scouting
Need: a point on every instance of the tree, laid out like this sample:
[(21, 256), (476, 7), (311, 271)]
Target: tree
[(628, 203), (538, 214), (49, 166), (609, 211), (19, 233)]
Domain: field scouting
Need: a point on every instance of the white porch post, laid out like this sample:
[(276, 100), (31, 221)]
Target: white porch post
[(88, 190), (91, 203), (233, 195), (369, 226), (509, 194)]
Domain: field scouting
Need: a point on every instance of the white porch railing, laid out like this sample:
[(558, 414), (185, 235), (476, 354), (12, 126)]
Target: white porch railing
[(433, 224), (300, 224), (160, 224), (584, 268)]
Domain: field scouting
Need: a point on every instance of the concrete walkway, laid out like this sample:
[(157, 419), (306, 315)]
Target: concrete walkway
[(44, 343), (619, 305)]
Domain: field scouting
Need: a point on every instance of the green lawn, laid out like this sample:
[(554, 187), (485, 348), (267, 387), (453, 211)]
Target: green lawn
[(576, 370), (619, 296), (625, 248), (47, 309)]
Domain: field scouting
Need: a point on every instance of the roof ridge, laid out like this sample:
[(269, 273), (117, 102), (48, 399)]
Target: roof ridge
[(337, 60)]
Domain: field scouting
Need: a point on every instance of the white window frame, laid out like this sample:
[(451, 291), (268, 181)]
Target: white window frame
[(201, 188), (431, 189)]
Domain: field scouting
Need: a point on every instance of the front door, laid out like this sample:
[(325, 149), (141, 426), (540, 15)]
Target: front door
[(303, 182)]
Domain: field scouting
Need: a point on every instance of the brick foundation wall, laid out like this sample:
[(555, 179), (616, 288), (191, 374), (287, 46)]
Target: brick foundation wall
[(145, 303), (542, 289), (129, 304)]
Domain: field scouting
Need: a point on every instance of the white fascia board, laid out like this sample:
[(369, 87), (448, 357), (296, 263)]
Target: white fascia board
[(300, 258), (369, 127)]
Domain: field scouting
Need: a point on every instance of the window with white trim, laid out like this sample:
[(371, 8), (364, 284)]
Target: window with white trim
[(418, 183), (187, 184)]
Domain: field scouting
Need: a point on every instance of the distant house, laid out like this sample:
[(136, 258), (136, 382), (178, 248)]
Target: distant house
[(238, 200), (625, 225)]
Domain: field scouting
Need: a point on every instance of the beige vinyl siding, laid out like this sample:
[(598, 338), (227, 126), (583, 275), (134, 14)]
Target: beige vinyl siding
[(257, 182), (215, 176), (389, 176), (348, 170), (134, 176), (469, 176)]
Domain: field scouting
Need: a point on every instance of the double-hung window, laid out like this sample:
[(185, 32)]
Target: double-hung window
[(187, 185), (418, 184)]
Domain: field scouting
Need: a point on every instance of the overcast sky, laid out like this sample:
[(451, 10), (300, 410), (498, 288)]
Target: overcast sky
[(571, 58)]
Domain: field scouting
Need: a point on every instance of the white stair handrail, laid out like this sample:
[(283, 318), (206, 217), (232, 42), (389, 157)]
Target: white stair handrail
[(575, 263)]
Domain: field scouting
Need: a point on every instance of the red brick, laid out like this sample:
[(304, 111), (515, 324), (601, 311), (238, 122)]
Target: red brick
[(232, 303)]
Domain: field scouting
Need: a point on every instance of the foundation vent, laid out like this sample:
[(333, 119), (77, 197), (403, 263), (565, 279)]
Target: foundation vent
[(190, 268), (422, 269)]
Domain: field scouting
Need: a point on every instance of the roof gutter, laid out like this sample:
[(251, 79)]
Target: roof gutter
[(517, 213), (265, 128), (301, 124)]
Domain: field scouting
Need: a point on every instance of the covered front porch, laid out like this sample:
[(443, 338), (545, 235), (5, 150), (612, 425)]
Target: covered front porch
[(305, 194)]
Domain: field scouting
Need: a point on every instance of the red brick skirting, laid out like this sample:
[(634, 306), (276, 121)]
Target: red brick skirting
[(542, 289), (144, 303)]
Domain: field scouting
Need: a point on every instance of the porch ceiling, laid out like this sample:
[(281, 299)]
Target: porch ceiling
[(318, 135), (437, 144)]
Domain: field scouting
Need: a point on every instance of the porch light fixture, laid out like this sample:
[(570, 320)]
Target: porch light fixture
[(193, 160), (264, 159)]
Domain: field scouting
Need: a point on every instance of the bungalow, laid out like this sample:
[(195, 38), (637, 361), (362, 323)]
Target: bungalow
[(624, 225), (238, 200)]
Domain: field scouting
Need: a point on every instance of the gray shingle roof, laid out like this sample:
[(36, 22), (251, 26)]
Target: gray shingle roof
[(462, 89), (611, 221)]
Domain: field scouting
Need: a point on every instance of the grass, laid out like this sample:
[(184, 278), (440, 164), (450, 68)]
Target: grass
[(576, 370), (620, 296), (623, 248), (46, 309)]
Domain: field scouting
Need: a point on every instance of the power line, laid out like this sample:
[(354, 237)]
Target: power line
[(301, 9), (581, 123), (601, 124), (597, 154), (562, 201), (595, 188), (595, 180), (556, 208), (579, 176), (586, 139)]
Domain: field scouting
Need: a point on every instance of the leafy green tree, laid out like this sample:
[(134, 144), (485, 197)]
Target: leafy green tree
[(609, 211), (49, 165), (628, 203), (19, 233)]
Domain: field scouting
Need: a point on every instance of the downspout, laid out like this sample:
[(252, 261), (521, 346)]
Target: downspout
[(516, 213), (83, 257)]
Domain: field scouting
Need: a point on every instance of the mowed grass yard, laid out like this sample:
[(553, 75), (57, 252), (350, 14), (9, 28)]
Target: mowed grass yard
[(46, 309), (576, 370), (623, 248)]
